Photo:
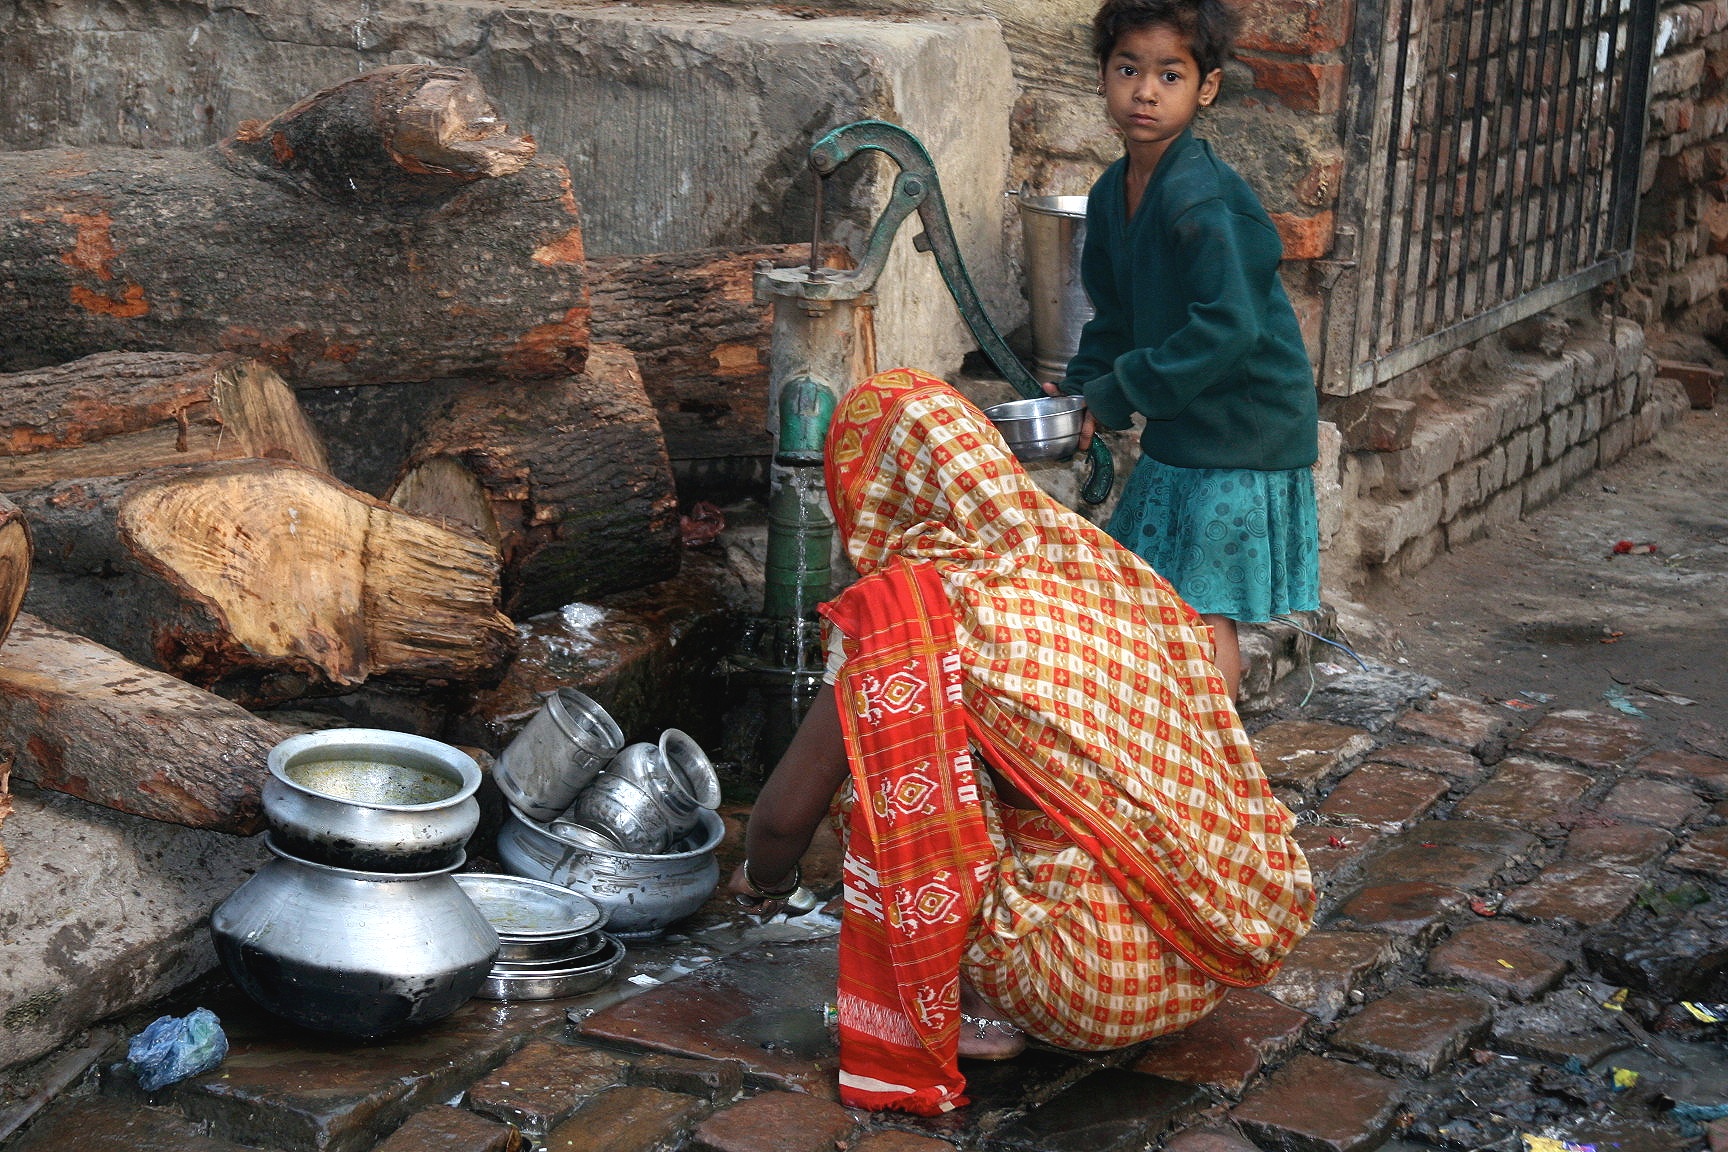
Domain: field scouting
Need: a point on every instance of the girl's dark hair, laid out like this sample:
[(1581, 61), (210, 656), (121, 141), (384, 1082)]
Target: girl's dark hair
[(1209, 25)]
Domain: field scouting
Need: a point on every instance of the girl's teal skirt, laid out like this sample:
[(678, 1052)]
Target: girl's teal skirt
[(1233, 541)]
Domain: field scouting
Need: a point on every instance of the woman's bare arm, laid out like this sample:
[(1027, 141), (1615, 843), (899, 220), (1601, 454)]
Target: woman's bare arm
[(795, 799)]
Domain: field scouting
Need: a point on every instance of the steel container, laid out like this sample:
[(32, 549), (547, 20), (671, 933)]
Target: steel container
[(507, 981), (675, 773), (535, 920), (363, 954), (1042, 428), (371, 799), (557, 754), (1053, 229), (623, 812), (641, 892)]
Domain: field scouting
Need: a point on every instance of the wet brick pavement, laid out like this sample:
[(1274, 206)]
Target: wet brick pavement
[(1491, 878)]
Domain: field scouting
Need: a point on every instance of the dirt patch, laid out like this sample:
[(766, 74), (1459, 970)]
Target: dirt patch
[(1549, 608)]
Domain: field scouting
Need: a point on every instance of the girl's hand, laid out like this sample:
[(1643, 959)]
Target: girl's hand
[(1088, 425)]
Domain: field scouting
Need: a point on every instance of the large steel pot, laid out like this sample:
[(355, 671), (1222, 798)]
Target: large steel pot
[(363, 954), (371, 799), (642, 893)]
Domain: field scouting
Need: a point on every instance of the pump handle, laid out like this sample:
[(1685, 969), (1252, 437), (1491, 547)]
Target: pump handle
[(917, 186)]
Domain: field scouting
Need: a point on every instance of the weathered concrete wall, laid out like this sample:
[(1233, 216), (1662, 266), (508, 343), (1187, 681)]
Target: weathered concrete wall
[(684, 127)]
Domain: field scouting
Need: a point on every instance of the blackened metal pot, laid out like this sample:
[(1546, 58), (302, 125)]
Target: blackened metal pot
[(363, 954)]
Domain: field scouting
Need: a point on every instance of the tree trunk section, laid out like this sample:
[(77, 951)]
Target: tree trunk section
[(15, 556), (202, 251), (397, 134), (120, 412), (567, 478), (81, 719), (265, 580), (701, 339)]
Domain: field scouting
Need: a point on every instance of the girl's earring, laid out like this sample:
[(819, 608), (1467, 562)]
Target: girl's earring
[(1100, 87)]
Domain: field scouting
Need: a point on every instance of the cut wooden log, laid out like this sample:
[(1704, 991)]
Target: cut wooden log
[(397, 134), (701, 339), (119, 412), (214, 251), (264, 580), (82, 719), (567, 478), (15, 554)]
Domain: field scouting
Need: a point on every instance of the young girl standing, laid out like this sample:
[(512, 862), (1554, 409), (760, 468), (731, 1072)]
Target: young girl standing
[(1192, 330)]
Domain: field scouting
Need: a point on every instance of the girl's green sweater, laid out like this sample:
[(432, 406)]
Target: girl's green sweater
[(1192, 327)]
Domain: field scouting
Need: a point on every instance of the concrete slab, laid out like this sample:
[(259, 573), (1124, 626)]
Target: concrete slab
[(101, 913), (684, 126)]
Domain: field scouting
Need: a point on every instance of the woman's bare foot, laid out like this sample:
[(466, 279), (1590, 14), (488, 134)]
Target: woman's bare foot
[(983, 1034)]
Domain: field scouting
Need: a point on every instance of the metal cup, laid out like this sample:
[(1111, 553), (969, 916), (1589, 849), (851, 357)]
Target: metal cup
[(617, 807), (559, 752)]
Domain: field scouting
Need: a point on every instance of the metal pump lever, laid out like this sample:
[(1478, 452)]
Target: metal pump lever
[(917, 189)]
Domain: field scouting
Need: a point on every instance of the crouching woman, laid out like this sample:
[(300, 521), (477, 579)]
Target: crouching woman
[(1054, 822)]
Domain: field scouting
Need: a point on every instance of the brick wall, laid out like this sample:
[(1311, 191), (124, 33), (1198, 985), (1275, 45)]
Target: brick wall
[(1682, 261)]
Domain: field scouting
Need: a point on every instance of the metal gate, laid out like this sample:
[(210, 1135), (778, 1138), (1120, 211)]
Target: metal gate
[(1493, 172)]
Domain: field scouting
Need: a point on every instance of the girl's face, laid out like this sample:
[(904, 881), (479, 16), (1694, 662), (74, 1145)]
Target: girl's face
[(1153, 86)]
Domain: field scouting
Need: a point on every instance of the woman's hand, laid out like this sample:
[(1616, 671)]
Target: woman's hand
[(739, 886), (1087, 424)]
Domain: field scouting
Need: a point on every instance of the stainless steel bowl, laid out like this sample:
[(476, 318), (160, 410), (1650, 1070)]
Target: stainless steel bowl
[(517, 982), (532, 912), (1042, 428), (642, 893), (371, 799)]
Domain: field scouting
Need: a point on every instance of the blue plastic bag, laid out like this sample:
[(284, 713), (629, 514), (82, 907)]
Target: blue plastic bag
[(175, 1047)]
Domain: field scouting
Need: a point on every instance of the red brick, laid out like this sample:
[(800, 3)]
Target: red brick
[(1319, 1105), (1587, 738), (1656, 802), (1209, 1140), (1418, 1030), (1330, 847), (544, 1084), (1384, 796), (1302, 85), (716, 1081), (627, 1120), (1391, 425), (1507, 959), (1707, 774), (1226, 1048), (1320, 972), (1304, 237), (1301, 753), (446, 1129), (1410, 908), (1706, 853), (774, 1122), (1453, 720), (1584, 893), (1298, 27), (901, 1142), (1449, 762), (1613, 843), (1434, 862), (1540, 797)]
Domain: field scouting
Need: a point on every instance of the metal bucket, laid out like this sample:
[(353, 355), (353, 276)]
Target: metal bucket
[(560, 750), (1054, 229)]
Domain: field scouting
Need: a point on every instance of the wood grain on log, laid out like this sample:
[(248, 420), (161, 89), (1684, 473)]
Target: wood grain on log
[(392, 135), (568, 478), (264, 580), (15, 555), (120, 412), (81, 719), (120, 248), (701, 339)]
